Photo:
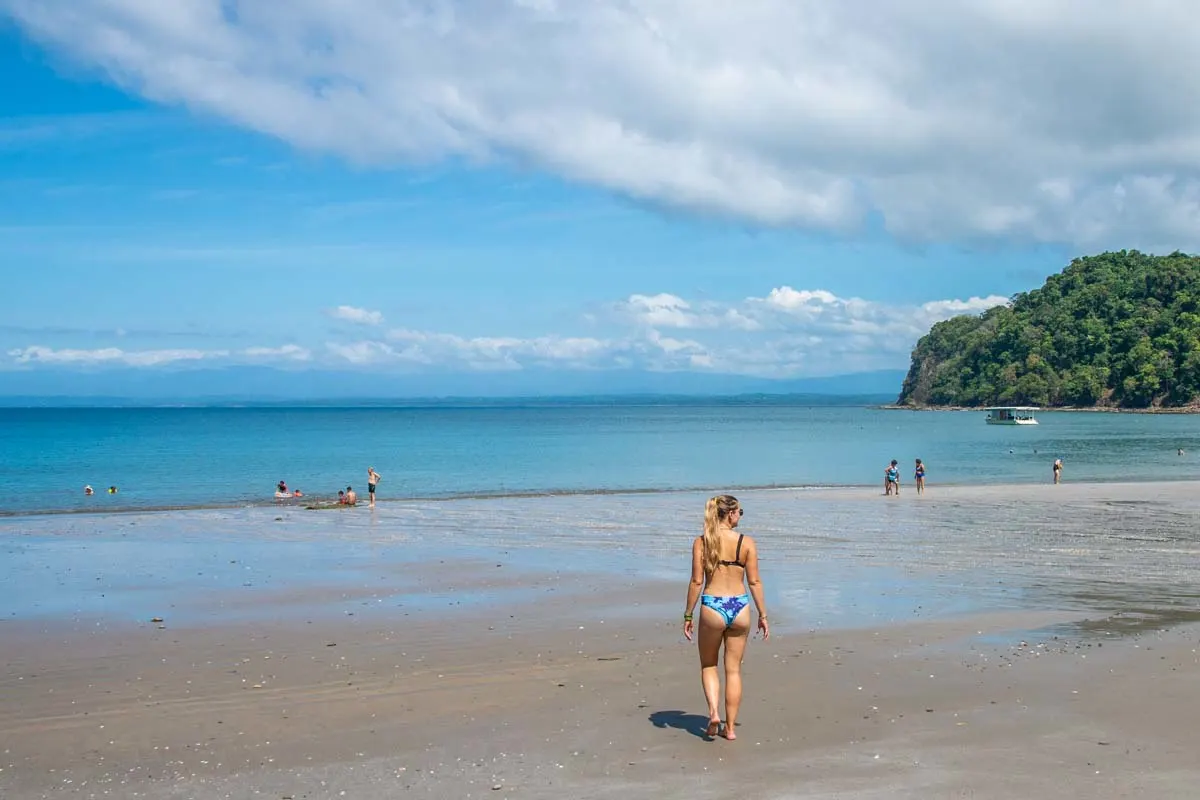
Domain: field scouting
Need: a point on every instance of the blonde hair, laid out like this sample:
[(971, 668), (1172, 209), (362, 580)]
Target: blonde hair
[(717, 510)]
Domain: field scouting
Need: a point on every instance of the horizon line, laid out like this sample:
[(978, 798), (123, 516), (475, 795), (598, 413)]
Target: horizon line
[(234, 401)]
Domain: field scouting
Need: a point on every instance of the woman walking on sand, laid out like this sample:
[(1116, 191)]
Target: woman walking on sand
[(724, 562)]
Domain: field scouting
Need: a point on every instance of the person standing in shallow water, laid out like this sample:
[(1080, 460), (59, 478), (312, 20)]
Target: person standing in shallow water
[(372, 482), (1057, 470), (724, 563), (919, 477)]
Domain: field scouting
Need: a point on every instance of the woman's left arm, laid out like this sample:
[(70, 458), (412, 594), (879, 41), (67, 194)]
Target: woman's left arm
[(754, 581), (695, 585)]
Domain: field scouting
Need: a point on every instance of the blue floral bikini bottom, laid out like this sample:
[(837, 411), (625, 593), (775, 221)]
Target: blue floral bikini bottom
[(727, 607)]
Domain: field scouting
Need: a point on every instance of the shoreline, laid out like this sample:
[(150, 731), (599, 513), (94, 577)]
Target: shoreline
[(1048, 409), (861, 557), (317, 503)]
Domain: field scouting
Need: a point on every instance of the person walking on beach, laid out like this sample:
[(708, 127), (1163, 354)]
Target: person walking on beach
[(724, 563), (372, 482), (919, 476), (1057, 470), (891, 478)]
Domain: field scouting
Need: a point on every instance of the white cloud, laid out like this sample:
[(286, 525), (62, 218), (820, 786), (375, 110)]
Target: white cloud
[(789, 299), (669, 311), (855, 324), (109, 355), (361, 353), (415, 350), (288, 352), (359, 316), (115, 356), (947, 118), (490, 352), (661, 309), (786, 332), (938, 310)]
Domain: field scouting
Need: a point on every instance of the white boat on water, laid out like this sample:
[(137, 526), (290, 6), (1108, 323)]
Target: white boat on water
[(1011, 415)]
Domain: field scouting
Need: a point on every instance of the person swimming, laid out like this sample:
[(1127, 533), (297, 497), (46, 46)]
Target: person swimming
[(88, 490), (112, 490), (723, 565)]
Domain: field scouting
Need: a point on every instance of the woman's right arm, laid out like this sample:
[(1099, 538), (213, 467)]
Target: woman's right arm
[(695, 585), (755, 582)]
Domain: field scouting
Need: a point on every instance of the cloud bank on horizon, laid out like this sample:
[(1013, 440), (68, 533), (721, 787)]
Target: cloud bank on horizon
[(787, 333), (945, 120)]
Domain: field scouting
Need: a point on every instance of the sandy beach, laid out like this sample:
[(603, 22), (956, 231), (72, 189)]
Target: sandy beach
[(1039, 641)]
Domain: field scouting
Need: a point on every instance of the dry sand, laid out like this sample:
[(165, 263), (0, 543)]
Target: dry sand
[(574, 696), (931, 710)]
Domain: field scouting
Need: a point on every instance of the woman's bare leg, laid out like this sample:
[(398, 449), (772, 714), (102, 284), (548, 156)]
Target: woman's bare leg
[(712, 630), (736, 636)]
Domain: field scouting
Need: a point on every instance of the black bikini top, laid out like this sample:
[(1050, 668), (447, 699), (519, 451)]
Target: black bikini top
[(737, 555)]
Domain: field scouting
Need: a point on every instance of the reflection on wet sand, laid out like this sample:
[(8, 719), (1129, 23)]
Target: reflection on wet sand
[(1119, 556)]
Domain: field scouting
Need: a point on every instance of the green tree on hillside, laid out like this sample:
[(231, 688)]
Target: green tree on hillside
[(1118, 329)]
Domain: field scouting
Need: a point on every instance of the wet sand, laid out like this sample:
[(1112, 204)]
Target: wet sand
[(927, 710), (564, 673)]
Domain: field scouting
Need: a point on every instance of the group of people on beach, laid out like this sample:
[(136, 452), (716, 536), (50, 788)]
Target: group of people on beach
[(281, 491), (349, 497), (891, 475), (345, 497), (891, 478)]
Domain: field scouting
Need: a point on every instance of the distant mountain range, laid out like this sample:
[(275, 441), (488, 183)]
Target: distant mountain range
[(254, 385)]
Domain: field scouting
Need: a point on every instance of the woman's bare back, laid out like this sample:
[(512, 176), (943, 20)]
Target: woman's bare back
[(729, 579)]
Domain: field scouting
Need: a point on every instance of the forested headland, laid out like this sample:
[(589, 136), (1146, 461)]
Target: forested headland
[(1117, 330)]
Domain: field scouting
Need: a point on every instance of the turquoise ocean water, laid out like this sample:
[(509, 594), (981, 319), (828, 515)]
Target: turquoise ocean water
[(172, 457)]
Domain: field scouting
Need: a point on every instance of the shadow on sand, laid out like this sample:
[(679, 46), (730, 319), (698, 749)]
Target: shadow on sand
[(695, 724)]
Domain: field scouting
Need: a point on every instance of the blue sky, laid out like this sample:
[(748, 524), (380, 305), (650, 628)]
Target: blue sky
[(414, 188)]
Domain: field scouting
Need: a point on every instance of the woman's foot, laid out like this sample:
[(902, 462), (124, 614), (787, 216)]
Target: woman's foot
[(714, 725), (729, 734)]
